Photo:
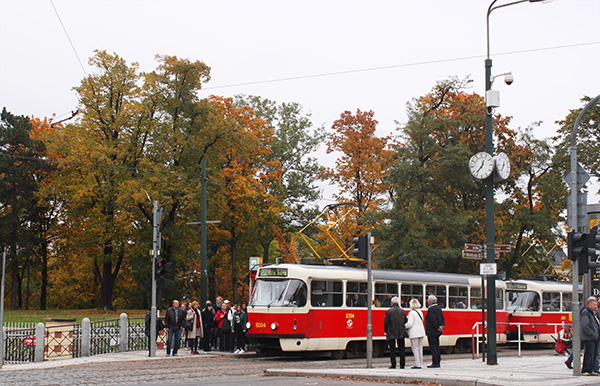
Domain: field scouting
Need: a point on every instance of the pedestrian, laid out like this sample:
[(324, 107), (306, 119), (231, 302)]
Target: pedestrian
[(238, 327), (434, 327), (223, 326), (416, 332), (197, 332), (147, 327), (565, 342), (208, 326), (174, 319), (395, 331), (589, 335)]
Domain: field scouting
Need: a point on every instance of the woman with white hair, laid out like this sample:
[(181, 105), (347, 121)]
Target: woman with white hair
[(416, 332)]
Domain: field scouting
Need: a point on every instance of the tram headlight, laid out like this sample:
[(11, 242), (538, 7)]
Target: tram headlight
[(248, 325), (274, 326)]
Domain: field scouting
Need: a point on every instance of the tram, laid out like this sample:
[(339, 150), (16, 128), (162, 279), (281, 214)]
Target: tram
[(297, 308)]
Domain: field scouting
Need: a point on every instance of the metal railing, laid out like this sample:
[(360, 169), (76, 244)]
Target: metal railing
[(478, 338), (104, 336), (19, 345)]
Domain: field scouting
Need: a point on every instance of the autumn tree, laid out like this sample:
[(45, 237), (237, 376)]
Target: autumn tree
[(292, 144), (364, 159), (437, 206)]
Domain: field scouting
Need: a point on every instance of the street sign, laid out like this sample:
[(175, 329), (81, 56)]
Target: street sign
[(502, 248), (582, 177), (473, 247), (29, 341), (472, 255), (487, 269), (255, 263)]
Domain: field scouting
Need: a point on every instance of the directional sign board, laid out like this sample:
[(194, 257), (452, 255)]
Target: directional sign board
[(502, 248), (487, 269), (472, 255), (473, 247)]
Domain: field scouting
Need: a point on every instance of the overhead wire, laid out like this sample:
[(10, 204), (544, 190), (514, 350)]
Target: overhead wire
[(69, 38), (394, 66)]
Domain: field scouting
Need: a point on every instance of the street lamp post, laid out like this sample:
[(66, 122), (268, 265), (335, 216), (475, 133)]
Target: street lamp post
[(492, 358)]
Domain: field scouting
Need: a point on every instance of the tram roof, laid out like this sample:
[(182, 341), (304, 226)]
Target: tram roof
[(384, 274)]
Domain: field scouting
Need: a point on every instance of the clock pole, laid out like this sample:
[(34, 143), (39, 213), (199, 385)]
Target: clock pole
[(492, 358)]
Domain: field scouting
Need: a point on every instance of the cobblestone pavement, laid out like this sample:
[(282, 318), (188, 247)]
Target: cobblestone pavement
[(208, 369), (169, 371)]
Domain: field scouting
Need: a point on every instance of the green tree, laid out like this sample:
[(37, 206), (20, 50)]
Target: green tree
[(22, 166), (293, 142)]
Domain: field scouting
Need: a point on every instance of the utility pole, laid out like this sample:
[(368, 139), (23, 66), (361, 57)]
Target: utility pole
[(203, 263), (2, 310), (157, 213), (369, 304), (572, 223)]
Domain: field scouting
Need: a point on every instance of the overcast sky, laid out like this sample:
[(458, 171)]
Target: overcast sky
[(335, 55)]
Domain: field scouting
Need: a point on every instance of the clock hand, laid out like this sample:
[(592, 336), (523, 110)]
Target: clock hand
[(482, 162)]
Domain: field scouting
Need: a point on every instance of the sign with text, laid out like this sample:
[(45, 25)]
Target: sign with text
[(472, 255), (486, 269)]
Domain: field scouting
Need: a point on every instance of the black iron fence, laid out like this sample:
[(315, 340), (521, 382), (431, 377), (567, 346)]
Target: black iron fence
[(19, 346)]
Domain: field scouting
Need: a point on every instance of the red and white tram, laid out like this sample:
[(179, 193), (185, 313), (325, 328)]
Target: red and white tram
[(312, 308)]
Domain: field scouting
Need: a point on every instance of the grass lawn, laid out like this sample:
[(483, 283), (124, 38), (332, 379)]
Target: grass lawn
[(93, 314)]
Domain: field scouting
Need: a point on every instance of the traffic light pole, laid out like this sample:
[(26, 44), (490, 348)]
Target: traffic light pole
[(572, 222), (155, 229), (369, 304)]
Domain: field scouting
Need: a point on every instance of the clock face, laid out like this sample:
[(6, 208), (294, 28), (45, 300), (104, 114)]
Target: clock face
[(502, 166), (481, 165)]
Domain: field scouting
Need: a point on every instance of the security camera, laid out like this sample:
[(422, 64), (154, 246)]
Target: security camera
[(509, 78)]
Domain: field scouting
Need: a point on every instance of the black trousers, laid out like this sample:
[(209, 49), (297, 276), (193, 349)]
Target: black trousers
[(434, 347), (239, 338), (401, 352)]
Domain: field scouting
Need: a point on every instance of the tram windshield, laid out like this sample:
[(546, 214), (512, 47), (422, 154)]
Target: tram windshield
[(279, 293), (522, 301)]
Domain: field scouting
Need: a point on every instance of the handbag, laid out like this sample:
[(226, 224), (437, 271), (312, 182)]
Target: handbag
[(188, 325)]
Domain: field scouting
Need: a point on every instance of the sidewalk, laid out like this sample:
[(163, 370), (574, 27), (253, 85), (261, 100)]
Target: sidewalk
[(547, 370), (114, 357)]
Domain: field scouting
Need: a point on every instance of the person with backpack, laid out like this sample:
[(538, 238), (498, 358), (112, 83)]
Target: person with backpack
[(564, 343)]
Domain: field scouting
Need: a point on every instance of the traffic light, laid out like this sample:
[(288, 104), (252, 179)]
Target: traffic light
[(162, 266), (575, 244), (591, 244), (361, 243), (582, 248)]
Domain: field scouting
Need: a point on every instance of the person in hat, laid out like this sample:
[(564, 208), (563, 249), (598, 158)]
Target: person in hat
[(223, 325)]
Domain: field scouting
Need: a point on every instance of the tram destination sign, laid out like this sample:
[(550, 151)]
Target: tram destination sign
[(273, 272)]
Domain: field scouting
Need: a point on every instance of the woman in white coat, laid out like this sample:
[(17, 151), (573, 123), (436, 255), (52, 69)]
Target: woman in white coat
[(196, 333), (416, 332)]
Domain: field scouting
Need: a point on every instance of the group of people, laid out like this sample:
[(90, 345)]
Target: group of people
[(214, 327), (397, 327)]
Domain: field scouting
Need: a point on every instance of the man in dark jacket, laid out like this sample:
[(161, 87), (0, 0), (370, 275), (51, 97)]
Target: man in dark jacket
[(434, 326), (174, 319), (393, 325), (589, 335)]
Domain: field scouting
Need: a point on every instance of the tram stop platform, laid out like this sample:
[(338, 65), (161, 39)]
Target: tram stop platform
[(543, 370)]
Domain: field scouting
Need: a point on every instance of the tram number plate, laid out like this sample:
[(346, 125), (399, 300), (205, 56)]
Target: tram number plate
[(487, 269)]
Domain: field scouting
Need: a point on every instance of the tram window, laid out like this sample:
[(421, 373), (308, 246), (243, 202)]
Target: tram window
[(440, 293), (457, 297), (411, 291), (384, 292), (476, 298), (326, 293), (567, 301), (522, 301), (551, 301), (356, 294), (499, 299)]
